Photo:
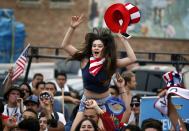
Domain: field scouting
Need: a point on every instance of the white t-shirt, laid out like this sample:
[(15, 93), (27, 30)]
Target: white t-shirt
[(9, 111), (66, 88), (132, 118)]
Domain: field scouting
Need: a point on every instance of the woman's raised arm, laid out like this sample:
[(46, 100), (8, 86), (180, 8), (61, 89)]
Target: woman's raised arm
[(123, 62), (75, 22)]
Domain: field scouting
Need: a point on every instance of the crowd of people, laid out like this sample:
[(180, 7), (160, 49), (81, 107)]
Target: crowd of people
[(40, 105)]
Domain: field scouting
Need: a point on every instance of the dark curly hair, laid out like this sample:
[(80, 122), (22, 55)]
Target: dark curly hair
[(109, 53)]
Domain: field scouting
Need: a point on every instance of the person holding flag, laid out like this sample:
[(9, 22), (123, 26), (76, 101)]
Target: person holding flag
[(17, 70), (12, 94)]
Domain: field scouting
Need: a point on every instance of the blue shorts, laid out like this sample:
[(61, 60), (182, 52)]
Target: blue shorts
[(100, 102)]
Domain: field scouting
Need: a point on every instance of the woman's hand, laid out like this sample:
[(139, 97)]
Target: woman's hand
[(123, 36), (77, 20), (10, 73), (119, 82), (91, 103)]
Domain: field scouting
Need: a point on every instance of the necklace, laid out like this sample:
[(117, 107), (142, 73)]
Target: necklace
[(13, 111)]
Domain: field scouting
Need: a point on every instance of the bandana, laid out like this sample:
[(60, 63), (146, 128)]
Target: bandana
[(173, 81), (95, 65), (46, 95), (172, 78)]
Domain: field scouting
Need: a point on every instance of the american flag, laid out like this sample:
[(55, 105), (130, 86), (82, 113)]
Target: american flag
[(20, 64)]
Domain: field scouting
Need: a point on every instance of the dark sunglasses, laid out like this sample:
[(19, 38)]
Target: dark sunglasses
[(136, 104)]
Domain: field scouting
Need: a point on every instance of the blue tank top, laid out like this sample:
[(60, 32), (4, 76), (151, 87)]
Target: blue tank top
[(98, 83)]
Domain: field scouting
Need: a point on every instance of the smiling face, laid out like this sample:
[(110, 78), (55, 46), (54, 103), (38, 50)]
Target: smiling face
[(97, 49)]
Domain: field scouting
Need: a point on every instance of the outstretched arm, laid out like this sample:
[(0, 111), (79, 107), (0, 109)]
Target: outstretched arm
[(75, 22), (174, 117), (123, 62), (8, 82), (125, 96)]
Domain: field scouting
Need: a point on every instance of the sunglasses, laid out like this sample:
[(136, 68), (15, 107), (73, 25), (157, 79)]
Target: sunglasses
[(45, 96), (135, 104)]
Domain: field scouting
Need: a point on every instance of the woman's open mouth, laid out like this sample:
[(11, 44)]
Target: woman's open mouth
[(96, 53)]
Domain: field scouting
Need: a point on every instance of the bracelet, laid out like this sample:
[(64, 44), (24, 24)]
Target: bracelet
[(122, 92)]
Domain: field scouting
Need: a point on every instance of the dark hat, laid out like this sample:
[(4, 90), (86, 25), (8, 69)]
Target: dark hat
[(135, 99), (13, 88), (47, 95), (119, 16), (32, 98)]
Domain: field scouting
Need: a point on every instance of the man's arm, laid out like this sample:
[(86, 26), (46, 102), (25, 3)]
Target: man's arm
[(8, 81), (174, 117)]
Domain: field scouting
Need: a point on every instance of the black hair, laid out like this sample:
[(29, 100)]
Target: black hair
[(95, 126), (1, 107), (61, 74), (151, 123), (37, 74), (39, 83), (131, 128), (107, 39), (31, 110), (42, 114), (28, 86), (187, 126), (29, 124), (51, 84)]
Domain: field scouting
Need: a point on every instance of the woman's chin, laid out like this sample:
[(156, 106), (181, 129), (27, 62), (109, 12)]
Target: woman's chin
[(96, 56)]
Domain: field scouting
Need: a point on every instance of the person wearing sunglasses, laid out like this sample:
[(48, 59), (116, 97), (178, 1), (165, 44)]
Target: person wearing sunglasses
[(56, 119), (135, 110)]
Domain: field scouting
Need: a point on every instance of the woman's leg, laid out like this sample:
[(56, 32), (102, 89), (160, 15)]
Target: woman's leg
[(76, 121)]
